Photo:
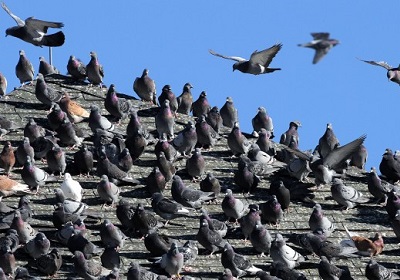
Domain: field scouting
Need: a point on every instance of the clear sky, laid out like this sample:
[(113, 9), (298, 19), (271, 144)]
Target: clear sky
[(172, 38)]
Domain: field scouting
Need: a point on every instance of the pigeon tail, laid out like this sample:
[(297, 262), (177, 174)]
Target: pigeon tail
[(54, 40)]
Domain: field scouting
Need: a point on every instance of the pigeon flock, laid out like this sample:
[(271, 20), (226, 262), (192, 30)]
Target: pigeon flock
[(97, 184)]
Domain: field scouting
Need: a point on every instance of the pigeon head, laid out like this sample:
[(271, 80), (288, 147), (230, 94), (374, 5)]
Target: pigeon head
[(236, 66), (166, 88)]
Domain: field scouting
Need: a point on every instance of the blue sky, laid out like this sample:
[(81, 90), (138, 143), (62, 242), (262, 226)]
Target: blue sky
[(172, 39)]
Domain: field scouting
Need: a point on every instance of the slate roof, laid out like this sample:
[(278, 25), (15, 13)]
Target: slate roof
[(366, 220)]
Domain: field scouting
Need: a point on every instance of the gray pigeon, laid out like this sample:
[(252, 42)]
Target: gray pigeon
[(94, 70), (87, 269), (321, 43), (38, 246), (347, 196), (378, 187), (172, 261), (263, 120), (185, 100), (167, 93), (50, 263), (318, 221), (214, 224), (389, 166), (195, 165), (187, 196), (261, 239), (258, 62), (24, 69), (137, 272), (3, 85), (108, 191), (237, 263), (186, 139), (76, 68), (44, 93), (165, 120), (359, 157), (33, 131), (24, 230), (210, 184), (110, 258), (201, 106), (329, 271), (33, 176), (209, 238), (96, 120), (264, 141), (376, 271), (327, 142), (145, 87), (7, 260), (206, 135), (237, 142), (229, 113), (111, 236), (233, 207), (248, 221), (291, 134), (166, 208), (214, 119), (34, 31), (393, 73), (56, 161), (46, 68), (117, 107), (280, 252)]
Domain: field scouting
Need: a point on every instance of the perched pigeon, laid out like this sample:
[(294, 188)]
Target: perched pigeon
[(157, 244), (327, 142), (206, 135), (237, 263), (347, 196), (167, 94), (111, 236), (166, 147), (56, 161), (195, 165), (117, 107), (50, 263), (145, 87), (136, 272), (144, 220), (155, 182), (210, 184), (185, 100), (209, 238), (237, 142), (83, 160), (24, 69), (291, 134), (166, 166), (94, 70), (165, 120), (214, 224), (214, 119), (366, 246), (261, 239), (229, 113), (271, 211), (265, 143), (38, 246), (3, 85), (75, 112), (245, 178), (233, 207), (280, 252), (263, 120), (359, 157), (329, 271), (281, 192), (34, 31), (96, 120), (248, 221), (201, 106), (376, 271), (186, 139), (281, 271), (110, 258), (76, 68), (24, 230), (46, 68), (378, 187), (166, 208), (7, 260), (393, 73), (87, 269), (108, 191), (56, 116), (33, 176), (318, 221), (321, 43), (389, 166), (187, 196), (23, 150), (79, 243), (258, 62), (71, 188), (44, 93), (7, 158), (172, 261)]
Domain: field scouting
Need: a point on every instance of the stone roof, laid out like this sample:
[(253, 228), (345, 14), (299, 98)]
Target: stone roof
[(22, 104)]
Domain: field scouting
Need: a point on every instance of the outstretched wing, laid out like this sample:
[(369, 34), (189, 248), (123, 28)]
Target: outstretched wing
[(236, 58), (378, 63), (19, 21), (265, 57), (320, 35), (41, 25)]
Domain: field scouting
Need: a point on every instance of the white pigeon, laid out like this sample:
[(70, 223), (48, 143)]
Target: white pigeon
[(71, 188)]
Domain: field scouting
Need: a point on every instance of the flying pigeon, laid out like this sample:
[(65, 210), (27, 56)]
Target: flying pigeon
[(145, 87), (393, 73), (321, 43), (34, 31), (258, 62)]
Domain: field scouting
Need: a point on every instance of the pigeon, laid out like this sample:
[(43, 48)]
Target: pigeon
[(124, 160), (38, 246), (136, 272), (366, 246), (44, 93), (321, 43), (214, 119), (166, 208), (389, 167), (157, 244), (248, 221), (166, 166), (263, 120), (71, 188), (185, 100), (166, 147), (280, 270), (195, 165), (245, 178), (124, 212), (96, 120), (227, 275), (3, 85), (145, 87), (172, 261), (111, 236), (318, 221), (201, 106), (94, 70), (186, 139), (237, 263), (206, 135), (393, 203), (291, 134), (263, 275), (23, 273), (271, 211), (75, 112), (117, 107), (346, 196), (237, 142), (46, 68), (165, 120), (87, 269), (79, 243), (83, 160), (33, 176), (56, 116), (49, 264), (393, 73), (395, 222), (258, 62), (359, 157), (187, 196), (24, 230), (108, 191), (280, 252), (378, 187), (110, 258), (209, 238), (167, 93), (144, 221), (210, 184), (56, 161), (214, 224), (327, 142), (376, 271), (7, 260), (261, 239), (329, 271), (23, 150), (69, 205), (24, 69), (76, 68), (281, 192), (233, 207), (7, 158), (33, 131), (156, 181), (135, 145), (265, 143), (229, 113)]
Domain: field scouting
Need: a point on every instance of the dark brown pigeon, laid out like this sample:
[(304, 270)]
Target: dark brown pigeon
[(34, 31)]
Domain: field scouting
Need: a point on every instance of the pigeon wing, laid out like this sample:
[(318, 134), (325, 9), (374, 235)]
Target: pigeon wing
[(265, 57), (236, 58), (19, 21), (41, 25), (378, 63), (320, 35), (319, 54)]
